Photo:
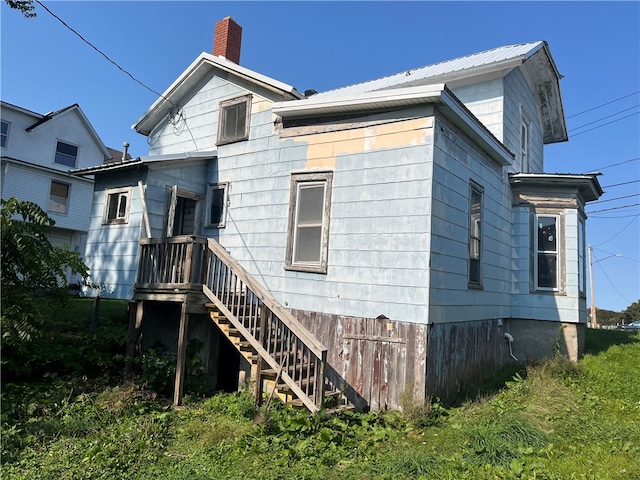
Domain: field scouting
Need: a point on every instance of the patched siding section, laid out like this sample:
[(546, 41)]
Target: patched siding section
[(461, 355), (379, 359)]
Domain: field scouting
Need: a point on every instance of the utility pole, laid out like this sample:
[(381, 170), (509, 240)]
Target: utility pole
[(594, 321)]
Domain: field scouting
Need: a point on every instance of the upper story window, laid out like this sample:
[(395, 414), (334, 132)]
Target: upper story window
[(547, 262), (582, 285), (4, 133), (475, 235), (216, 205), (308, 234), (59, 197), (524, 142), (66, 154), (116, 206), (233, 124)]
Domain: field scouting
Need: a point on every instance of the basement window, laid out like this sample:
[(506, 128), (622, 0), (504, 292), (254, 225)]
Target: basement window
[(233, 124), (116, 207), (308, 233)]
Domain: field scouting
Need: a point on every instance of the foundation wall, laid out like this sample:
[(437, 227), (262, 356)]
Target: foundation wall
[(538, 339)]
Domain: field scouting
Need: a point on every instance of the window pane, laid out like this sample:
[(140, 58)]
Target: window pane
[(234, 121), (67, 149), (310, 204), (547, 270), (113, 206), (4, 128), (122, 206), (547, 234), (58, 197), (66, 154), (474, 271), (308, 244), (217, 206)]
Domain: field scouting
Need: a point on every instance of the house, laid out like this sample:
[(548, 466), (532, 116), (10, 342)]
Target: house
[(394, 237), (37, 153)]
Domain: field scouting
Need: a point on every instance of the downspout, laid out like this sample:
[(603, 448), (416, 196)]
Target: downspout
[(509, 338)]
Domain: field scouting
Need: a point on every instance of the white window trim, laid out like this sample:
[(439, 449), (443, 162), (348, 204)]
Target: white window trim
[(66, 207), (126, 191), (229, 103), (55, 153), (558, 252), (475, 187), (298, 179), (6, 136), (224, 186), (582, 253)]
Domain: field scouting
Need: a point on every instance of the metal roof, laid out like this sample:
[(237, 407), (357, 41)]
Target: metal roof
[(490, 60)]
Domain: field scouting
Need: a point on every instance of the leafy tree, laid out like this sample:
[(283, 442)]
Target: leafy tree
[(32, 274), (632, 313), (25, 6), (607, 317)]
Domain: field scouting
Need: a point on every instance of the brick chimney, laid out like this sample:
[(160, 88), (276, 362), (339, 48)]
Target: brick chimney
[(227, 39)]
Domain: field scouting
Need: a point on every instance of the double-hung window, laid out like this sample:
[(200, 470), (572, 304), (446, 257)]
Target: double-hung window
[(524, 142), (66, 154), (4, 133), (475, 235), (547, 262), (59, 197), (216, 205), (308, 235), (116, 207), (233, 123)]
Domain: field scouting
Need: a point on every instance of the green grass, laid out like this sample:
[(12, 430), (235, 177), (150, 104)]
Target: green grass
[(556, 420)]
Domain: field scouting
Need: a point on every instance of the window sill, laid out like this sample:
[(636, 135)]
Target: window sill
[(307, 268)]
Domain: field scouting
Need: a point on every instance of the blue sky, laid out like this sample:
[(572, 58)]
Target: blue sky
[(323, 45)]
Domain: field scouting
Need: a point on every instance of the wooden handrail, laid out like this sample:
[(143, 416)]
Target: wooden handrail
[(269, 300), (270, 329)]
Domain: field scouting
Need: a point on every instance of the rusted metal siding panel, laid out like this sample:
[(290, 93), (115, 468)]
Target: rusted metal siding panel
[(461, 355), (375, 358)]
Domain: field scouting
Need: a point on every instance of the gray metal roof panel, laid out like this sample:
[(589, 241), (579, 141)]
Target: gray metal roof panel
[(496, 57)]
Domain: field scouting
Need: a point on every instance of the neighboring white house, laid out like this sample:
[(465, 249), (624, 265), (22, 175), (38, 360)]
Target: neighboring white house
[(38, 151), (407, 222)]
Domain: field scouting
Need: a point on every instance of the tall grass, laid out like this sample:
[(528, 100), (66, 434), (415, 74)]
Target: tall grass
[(555, 420)]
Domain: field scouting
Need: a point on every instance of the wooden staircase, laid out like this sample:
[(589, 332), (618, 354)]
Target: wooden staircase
[(284, 356)]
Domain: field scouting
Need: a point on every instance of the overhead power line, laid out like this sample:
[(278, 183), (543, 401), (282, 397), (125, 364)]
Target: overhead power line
[(623, 229), (617, 198), (603, 104), (620, 184), (605, 124), (102, 53), (603, 118), (615, 208), (617, 164)]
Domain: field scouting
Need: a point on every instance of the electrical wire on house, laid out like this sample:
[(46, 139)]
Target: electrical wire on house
[(610, 282)]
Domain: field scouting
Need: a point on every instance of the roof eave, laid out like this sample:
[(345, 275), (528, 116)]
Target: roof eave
[(587, 184), (193, 74), (399, 98)]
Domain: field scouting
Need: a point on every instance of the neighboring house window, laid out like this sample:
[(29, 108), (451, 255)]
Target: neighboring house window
[(308, 234), (547, 265), (582, 285), (233, 124), (66, 154), (524, 142), (4, 133), (59, 197), (216, 205), (116, 207), (475, 235)]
